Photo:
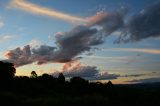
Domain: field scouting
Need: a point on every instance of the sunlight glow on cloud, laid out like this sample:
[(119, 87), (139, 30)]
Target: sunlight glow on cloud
[(36, 9), (75, 68), (35, 43)]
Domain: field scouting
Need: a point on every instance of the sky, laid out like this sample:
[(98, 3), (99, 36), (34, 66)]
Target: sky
[(100, 40)]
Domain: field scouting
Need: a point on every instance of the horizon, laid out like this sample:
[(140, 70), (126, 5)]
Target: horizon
[(116, 40)]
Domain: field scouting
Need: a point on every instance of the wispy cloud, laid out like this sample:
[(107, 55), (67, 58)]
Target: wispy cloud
[(5, 38), (105, 57), (146, 80), (109, 58), (142, 75), (1, 24), (140, 50), (36, 9)]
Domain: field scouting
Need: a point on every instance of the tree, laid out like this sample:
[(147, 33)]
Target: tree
[(61, 78), (78, 81), (47, 78), (33, 74), (109, 85), (7, 71)]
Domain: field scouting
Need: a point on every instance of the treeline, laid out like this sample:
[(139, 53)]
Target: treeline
[(8, 78), (46, 90)]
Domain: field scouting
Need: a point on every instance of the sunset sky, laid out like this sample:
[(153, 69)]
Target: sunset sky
[(116, 40)]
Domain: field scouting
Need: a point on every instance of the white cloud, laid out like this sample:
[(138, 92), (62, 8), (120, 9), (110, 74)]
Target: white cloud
[(34, 43), (5, 38), (1, 24)]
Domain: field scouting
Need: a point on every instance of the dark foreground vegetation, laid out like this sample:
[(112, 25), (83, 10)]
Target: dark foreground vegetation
[(45, 90)]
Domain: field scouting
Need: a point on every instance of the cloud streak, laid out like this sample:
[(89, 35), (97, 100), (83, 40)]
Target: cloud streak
[(140, 50), (36, 9), (140, 75), (146, 80)]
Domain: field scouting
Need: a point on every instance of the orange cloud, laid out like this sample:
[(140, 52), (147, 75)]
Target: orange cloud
[(36, 9)]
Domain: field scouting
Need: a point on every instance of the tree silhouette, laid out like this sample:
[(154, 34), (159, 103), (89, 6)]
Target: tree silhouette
[(47, 76), (78, 80), (109, 84), (61, 78), (33, 74), (7, 71)]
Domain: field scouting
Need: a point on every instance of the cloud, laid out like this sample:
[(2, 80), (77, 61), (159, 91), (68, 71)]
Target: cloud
[(134, 75), (76, 69), (88, 72), (77, 41), (69, 45), (82, 71), (140, 50), (36, 9), (82, 38), (27, 55), (142, 25), (142, 75), (19, 56), (109, 22), (108, 58), (106, 76), (1, 24), (5, 38), (147, 80), (35, 43)]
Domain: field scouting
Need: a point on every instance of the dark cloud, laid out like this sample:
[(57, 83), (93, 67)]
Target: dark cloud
[(106, 76), (20, 56), (76, 41), (135, 75), (145, 24), (87, 72), (26, 55), (69, 45), (140, 75), (72, 43), (43, 50), (82, 38), (82, 71), (72, 69), (109, 22)]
